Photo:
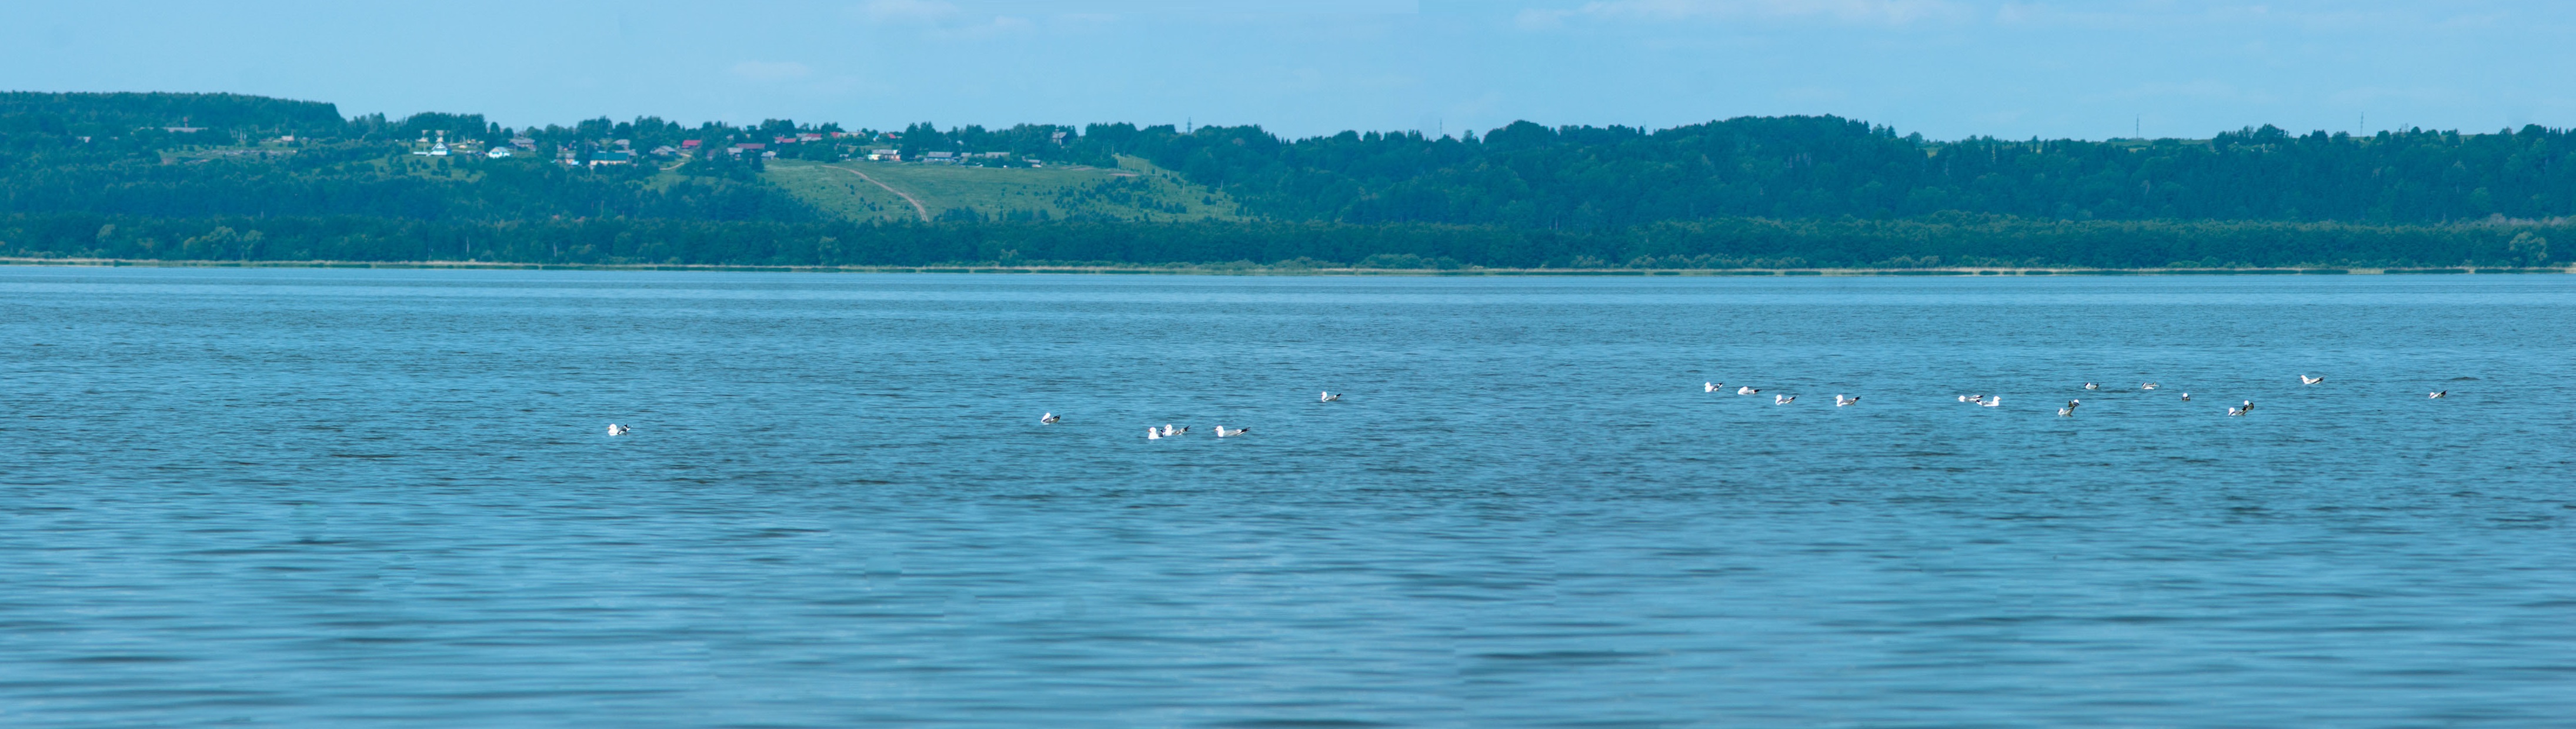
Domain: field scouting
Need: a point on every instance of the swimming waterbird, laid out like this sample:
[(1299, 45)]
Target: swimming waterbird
[(1048, 419)]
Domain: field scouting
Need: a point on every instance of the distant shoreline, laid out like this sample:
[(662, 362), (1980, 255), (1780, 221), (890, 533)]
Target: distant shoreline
[(1223, 270)]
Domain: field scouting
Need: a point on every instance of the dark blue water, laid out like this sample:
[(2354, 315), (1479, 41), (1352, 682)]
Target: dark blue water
[(386, 498)]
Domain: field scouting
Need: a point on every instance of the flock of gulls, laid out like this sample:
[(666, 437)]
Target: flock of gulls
[(1996, 401), (1992, 401), (1167, 431)]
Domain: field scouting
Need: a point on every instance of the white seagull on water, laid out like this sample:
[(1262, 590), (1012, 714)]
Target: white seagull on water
[(1048, 419), (1971, 398), (1711, 386), (1152, 434), (1783, 399), (1329, 396), (1840, 401), (2149, 386), (2091, 386), (1746, 390), (2306, 380), (2066, 412), (1221, 432), (2186, 397), (1993, 401), (615, 429), (2242, 409), (2439, 395)]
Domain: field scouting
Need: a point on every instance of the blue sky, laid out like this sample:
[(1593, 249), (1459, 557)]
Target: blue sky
[(1946, 68)]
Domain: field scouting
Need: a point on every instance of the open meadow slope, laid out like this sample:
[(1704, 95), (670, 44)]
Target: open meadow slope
[(1135, 191)]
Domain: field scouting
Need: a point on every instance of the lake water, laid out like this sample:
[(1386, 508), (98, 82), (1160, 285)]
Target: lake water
[(387, 498)]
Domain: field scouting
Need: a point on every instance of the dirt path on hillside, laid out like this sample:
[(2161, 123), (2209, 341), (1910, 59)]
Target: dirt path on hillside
[(916, 204)]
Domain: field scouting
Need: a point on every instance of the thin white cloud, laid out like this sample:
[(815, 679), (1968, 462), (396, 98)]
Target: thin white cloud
[(770, 72), (1891, 12), (951, 21), (999, 25), (907, 11), (2169, 15), (1537, 19)]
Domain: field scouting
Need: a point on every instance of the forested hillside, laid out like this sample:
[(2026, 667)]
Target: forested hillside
[(234, 177), (1821, 167)]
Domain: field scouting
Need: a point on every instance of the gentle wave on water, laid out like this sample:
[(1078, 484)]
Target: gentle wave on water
[(358, 498)]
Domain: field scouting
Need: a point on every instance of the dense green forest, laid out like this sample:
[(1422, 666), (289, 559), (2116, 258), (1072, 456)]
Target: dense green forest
[(1941, 240), (1814, 167), (231, 177)]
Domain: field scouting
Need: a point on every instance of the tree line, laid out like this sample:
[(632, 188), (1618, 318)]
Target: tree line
[(165, 169), (1529, 175), (1935, 241)]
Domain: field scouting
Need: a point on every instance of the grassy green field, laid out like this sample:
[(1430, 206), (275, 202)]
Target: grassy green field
[(1136, 191)]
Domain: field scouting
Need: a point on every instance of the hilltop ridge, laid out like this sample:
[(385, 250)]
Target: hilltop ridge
[(253, 163)]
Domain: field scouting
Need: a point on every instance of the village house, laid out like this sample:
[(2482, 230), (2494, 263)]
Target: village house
[(524, 143), (612, 158), (885, 155)]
